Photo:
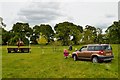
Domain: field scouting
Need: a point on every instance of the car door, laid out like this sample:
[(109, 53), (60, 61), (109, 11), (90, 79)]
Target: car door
[(82, 51), (90, 51)]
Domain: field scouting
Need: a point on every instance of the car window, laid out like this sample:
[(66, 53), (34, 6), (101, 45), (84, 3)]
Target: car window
[(97, 48), (84, 48), (90, 48), (107, 47)]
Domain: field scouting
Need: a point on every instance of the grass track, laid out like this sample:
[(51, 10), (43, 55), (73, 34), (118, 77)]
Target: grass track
[(50, 63)]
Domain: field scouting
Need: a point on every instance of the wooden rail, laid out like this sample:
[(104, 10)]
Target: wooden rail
[(18, 50)]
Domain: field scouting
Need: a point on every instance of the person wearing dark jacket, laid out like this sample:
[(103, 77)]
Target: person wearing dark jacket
[(70, 47)]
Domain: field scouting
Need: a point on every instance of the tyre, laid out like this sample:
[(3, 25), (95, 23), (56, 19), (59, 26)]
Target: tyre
[(75, 58), (9, 51), (95, 59)]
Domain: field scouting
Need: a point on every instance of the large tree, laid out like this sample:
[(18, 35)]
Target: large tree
[(113, 32), (68, 32), (89, 34), (45, 30), (2, 41), (5, 36), (22, 31), (22, 28), (100, 37)]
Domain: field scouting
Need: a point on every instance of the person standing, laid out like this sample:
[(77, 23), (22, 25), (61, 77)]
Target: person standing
[(70, 47)]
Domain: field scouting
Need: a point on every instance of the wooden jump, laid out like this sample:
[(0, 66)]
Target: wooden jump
[(18, 50)]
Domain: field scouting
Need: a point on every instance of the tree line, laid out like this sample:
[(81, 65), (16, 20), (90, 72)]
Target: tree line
[(65, 33)]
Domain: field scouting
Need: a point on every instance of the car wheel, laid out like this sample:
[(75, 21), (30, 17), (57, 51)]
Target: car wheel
[(9, 51), (75, 58), (95, 60)]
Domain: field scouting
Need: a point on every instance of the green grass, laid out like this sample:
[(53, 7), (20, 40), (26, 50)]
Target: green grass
[(0, 54), (50, 63)]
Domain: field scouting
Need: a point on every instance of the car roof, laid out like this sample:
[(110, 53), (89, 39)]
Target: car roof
[(96, 44)]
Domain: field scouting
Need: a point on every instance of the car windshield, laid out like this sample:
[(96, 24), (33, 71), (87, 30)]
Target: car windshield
[(84, 48)]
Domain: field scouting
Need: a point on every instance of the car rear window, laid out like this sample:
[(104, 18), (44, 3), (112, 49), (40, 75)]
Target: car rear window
[(107, 47), (97, 48)]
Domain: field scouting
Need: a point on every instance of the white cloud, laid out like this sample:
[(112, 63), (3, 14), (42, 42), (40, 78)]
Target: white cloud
[(92, 13), (41, 12), (98, 14), (59, 0)]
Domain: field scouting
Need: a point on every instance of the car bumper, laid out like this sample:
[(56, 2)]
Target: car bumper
[(104, 58)]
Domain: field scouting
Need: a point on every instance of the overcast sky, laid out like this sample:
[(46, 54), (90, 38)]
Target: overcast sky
[(98, 14)]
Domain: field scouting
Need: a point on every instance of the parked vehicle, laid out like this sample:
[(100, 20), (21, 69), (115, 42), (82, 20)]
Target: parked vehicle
[(94, 52)]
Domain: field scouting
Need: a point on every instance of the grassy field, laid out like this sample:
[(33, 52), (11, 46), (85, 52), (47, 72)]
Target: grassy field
[(47, 62)]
